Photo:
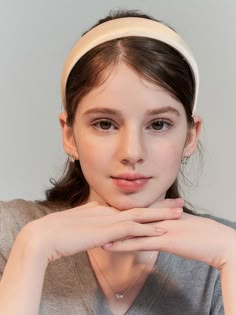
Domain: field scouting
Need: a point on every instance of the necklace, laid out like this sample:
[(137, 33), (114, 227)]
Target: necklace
[(121, 295)]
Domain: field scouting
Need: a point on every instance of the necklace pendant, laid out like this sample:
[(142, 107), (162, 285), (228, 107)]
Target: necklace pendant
[(119, 296)]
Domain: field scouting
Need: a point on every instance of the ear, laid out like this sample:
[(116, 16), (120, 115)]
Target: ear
[(193, 137), (67, 136)]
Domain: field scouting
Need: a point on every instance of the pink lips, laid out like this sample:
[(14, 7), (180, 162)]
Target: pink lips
[(130, 182)]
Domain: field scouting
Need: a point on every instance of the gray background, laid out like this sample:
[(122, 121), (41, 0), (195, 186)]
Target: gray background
[(35, 39)]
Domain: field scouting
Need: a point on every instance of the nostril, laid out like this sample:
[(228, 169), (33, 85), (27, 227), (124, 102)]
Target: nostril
[(131, 161)]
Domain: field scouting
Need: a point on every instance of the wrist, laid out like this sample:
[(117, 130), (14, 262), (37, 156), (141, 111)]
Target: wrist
[(31, 245)]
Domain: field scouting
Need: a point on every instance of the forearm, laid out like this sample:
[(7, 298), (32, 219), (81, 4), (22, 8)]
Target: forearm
[(228, 283), (22, 281)]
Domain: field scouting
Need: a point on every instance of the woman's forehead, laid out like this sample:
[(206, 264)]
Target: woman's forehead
[(124, 86)]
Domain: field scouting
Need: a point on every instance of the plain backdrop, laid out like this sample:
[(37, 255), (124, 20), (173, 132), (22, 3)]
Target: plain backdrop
[(36, 37)]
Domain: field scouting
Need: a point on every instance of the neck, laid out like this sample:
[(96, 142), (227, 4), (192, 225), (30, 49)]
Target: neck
[(121, 275)]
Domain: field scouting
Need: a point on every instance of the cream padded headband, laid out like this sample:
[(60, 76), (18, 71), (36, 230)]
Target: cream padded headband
[(123, 27)]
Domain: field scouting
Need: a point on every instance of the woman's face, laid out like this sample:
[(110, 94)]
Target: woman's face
[(130, 136)]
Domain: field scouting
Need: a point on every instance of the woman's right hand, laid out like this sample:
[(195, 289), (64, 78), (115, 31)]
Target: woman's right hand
[(92, 225)]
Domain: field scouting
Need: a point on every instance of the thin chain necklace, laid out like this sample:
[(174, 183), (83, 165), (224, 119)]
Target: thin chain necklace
[(120, 296)]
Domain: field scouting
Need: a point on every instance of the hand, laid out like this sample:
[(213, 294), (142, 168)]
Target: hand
[(92, 225), (191, 237)]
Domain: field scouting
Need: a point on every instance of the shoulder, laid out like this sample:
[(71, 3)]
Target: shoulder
[(19, 212), (14, 215)]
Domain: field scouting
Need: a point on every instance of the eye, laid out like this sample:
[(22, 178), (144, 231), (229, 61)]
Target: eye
[(160, 125), (104, 124)]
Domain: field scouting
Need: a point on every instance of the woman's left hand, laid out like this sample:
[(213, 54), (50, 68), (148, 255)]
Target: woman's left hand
[(191, 237)]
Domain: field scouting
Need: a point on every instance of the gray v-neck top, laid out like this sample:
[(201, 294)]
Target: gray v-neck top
[(177, 286)]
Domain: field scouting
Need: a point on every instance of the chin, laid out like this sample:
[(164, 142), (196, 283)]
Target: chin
[(129, 201), (127, 204)]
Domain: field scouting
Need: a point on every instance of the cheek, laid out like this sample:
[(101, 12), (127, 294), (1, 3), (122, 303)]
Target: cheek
[(93, 156), (88, 153), (169, 155)]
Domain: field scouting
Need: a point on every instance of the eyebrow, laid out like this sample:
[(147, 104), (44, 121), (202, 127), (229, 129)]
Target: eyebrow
[(150, 112)]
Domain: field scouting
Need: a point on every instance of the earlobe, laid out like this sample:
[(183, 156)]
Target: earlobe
[(193, 137), (68, 137)]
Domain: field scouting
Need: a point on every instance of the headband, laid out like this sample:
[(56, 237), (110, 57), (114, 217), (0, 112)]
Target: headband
[(124, 27)]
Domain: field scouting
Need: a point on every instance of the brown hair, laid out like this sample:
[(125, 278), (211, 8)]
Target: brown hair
[(152, 60)]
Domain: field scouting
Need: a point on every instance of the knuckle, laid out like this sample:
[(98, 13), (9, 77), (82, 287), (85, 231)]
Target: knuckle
[(114, 210), (130, 226), (139, 214), (167, 212), (170, 211)]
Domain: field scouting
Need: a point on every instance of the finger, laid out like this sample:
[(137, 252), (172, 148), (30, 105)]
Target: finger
[(92, 209), (142, 243), (82, 206), (118, 231), (168, 203), (146, 215)]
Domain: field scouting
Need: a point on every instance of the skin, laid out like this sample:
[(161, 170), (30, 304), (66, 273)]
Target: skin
[(85, 227), (130, 144), (123, 226)]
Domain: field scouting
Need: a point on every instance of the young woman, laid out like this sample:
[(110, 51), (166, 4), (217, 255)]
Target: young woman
[(114, 236)]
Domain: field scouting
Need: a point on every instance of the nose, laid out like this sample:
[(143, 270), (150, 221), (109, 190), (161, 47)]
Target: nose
[(131, 148)]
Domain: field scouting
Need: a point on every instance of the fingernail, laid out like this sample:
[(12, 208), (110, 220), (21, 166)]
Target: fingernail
[(160, 231), (178, 210), (107, 245)]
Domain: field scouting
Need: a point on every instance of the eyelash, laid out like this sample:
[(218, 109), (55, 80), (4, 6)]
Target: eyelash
[(164, 121)]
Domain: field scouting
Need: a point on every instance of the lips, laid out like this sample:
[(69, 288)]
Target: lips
[(130, 176), (130, 182)]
